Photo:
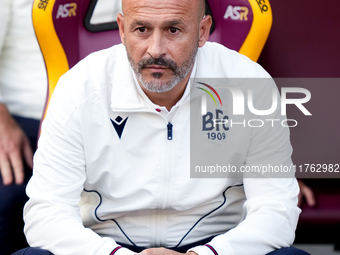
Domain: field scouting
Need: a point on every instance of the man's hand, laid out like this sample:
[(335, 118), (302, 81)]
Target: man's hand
[(14, 147), (307, 193), (163, 251)]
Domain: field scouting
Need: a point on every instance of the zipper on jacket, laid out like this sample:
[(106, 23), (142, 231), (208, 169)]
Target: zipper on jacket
[(168, 166), (170, 131)]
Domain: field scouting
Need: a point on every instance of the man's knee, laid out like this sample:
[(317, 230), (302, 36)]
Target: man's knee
[(32, 251), (288, 251)]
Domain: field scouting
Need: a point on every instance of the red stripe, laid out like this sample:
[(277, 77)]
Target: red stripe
[(116, 249), (212, 249)]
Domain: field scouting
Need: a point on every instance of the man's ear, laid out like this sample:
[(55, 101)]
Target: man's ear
[(204, 31), (120, 21)]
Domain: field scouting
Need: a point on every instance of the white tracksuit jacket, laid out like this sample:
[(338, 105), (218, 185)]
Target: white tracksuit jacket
[(91, 188)]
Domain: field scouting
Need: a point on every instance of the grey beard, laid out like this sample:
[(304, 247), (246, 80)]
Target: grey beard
[(179, 73)]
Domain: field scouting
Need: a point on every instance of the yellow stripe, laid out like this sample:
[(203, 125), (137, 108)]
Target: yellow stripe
[(259, 31), (51, 48)]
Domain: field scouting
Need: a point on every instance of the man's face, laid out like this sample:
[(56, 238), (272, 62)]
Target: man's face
[(161, 39)]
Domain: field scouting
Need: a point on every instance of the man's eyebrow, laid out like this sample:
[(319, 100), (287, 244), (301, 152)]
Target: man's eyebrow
[(140, 23), (169, 23), (174, 22)]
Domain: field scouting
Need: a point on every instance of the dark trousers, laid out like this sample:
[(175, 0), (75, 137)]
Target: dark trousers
[(13, 199), (283, 251)]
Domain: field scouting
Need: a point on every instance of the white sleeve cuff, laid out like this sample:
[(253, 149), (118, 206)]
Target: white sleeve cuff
[(111, 248), (204, 250), (123, 251)]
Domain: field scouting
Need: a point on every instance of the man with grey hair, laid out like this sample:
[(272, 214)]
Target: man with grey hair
[(111, 174)]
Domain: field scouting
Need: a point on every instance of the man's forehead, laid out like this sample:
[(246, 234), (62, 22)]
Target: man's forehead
[(134, 7)]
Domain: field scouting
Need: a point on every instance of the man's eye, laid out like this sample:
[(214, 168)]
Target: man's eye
[(142, 29), (173, 30)]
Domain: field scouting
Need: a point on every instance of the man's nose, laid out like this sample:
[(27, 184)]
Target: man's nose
[(157, 45)]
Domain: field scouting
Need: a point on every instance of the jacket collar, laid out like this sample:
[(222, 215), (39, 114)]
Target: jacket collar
[(124, 95)]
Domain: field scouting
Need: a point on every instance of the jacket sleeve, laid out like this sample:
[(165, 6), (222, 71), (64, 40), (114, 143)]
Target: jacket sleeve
[(4, 19), (270, 213), (52, 216)]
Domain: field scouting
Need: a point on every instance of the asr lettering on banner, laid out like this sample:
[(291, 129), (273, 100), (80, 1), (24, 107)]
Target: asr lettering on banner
[(66, 10), (237, 13)]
